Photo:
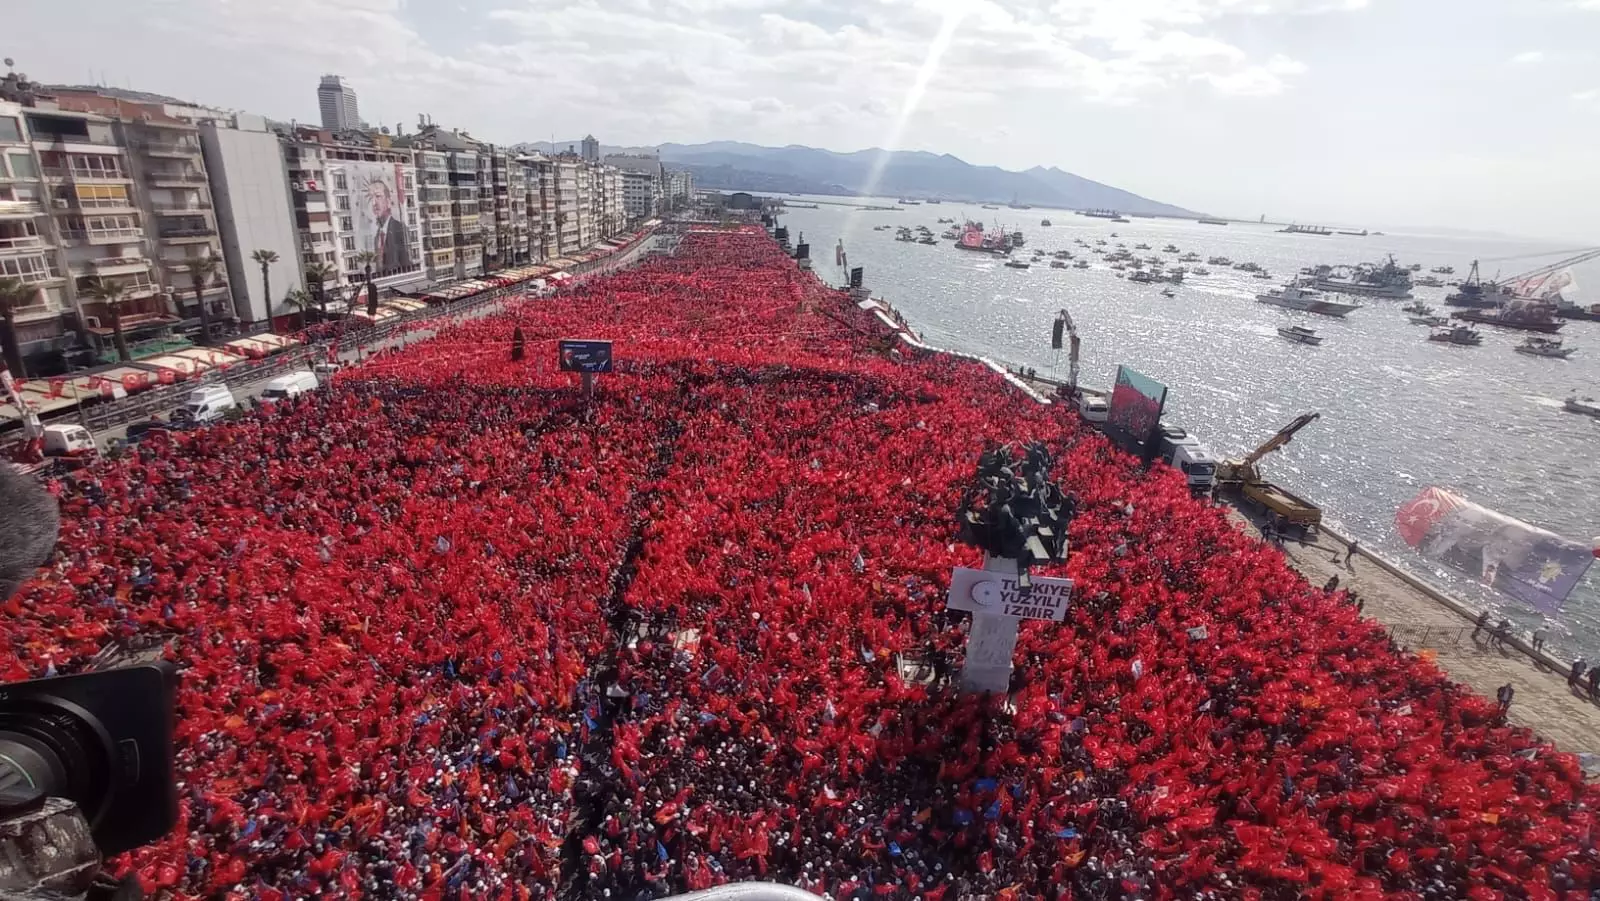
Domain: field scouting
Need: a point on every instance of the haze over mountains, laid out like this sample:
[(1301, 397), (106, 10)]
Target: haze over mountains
[(912, 174)]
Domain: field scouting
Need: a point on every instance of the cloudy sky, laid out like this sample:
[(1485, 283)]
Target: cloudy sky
[(1473, 114)]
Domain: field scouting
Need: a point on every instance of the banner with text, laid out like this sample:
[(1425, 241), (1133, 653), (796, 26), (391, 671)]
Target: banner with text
[(986, 591)]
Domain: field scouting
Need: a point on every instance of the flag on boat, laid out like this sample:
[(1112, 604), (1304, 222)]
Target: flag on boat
[(1533, 565), (1548, 286)]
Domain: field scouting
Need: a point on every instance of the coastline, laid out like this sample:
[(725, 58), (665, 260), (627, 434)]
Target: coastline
[(1419, 617)]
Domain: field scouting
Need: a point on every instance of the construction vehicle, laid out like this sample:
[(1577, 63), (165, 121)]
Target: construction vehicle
[(41, 448), (1246, 477)]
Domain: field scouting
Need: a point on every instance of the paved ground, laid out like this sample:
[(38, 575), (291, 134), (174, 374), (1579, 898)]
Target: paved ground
[(1543, 701)]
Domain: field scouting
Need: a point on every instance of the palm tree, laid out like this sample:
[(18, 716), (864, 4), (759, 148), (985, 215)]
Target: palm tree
[(201, 271), (265, 258), (109, 292), (14, 295), (300, 300), (317, 276)]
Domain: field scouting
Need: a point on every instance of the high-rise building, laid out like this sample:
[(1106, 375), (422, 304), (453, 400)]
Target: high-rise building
[(643, 181), (591, 149), (254, 210), (337, 101)]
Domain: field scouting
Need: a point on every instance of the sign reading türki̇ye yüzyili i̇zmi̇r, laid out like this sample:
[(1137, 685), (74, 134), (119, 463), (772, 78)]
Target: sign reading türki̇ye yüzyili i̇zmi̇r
[(984, 591)]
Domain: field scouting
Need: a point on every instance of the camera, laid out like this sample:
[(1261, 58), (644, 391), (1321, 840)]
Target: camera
[(99, 742), (86, 760)]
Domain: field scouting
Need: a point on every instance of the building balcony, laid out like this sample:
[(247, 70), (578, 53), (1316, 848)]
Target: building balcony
[(21, 244), (175, 178), (186, 235), (169, 149), (193, 206), (135, 292), (85, 176), (20, 209), (119, 265), (103, 235)]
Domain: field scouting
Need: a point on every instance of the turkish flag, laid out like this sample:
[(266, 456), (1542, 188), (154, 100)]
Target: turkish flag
[(1416, 516)]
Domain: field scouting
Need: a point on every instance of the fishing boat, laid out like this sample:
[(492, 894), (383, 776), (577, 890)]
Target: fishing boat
[(974, 238), (1430, 321), (1389, 281), (1460, 334), (1300, 334), (1294, 296), (1535, 346), (1058, 264), (1418, 307), (1141, 247), (1528, 316), (1306, 230), (1585, 407), (1171, 248), (1017, 264), (1018, 239), (1219, 261), (1189, 258)]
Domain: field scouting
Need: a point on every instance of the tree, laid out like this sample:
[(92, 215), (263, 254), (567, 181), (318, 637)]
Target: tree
[(300, 300), (365, 259), (265, 258), (317, 276), (109, 292), (201, 271), (14, 295)]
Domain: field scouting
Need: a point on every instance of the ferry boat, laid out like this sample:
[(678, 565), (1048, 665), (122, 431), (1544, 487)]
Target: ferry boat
[(1389, 281), (1535, 346), (1300, 334), (1460, 334), (1585, 407), (1296, 297), (1212, 221), (1306, 230)]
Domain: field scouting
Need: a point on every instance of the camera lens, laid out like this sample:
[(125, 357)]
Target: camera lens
[(56, 752)]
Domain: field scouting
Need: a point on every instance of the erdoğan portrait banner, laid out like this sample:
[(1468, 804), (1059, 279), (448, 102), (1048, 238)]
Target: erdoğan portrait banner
[(1533, 565)]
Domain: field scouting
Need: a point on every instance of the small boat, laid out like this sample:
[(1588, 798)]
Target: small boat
[(1170, 248), (1427, 281), (1168, 292), (951, 234), (1443, 270), (904, 202), (1081, 264), (1585, 407), (1044, 223), (1200, 270), (1017, 264), (1219, 261), (1263, 275), (927, 239), (1057, 264), (1300, 334), (988, 207), (1295, 297), (1141, 247), (1247, 267), (1461, 335), (1418, 307), (1544, 347), (1430, 321), (1142, 277), (1189, 258)]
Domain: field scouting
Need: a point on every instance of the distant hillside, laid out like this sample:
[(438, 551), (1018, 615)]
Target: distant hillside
[(915, 174)]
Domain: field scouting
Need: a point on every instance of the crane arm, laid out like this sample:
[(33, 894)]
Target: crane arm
[(1556, 266), (1283, 437)]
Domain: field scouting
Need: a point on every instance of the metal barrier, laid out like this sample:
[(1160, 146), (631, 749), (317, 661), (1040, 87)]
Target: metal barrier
[(748, 891)]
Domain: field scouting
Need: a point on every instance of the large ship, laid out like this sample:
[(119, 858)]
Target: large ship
[(974, 238), (1527, 315), (1296, 297), (1306, 230), (1113, 215), (1213, 221), (1389, 281)]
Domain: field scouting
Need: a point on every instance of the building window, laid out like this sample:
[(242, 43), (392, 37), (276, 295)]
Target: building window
[(343, 203), (349, 244), (28, 269), (22, 165), (9, 130), (339, 183), (344, 223)]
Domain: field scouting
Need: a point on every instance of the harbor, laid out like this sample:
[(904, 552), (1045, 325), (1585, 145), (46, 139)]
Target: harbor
[(1400, 412)]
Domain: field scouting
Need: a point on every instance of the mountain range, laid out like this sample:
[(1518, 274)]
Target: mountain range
[(901, 173)]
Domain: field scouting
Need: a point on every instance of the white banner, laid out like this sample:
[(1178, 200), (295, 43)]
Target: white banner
[(983, 591)]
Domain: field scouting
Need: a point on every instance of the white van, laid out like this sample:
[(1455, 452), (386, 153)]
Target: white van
[(62, 440), (288, 387), (208, 403)]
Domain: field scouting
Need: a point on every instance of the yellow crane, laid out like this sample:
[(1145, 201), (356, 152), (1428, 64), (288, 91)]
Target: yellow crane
[(1294, 510), (1237, 471)]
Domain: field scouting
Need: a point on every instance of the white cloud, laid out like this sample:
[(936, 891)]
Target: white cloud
[(1528, 57)]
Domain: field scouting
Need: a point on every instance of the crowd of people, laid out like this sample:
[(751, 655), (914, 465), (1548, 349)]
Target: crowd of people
[(451, 630)]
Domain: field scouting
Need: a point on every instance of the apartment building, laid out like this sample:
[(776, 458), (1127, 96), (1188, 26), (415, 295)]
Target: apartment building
[(588, 218), (679, 193), (355, 194), (255, 210), (30, 242), (642, 184)]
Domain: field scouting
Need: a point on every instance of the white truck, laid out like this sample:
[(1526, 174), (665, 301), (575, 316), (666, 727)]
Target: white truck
[(1185, 453)]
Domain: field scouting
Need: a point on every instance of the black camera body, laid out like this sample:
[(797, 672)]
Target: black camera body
[(101, 740)]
